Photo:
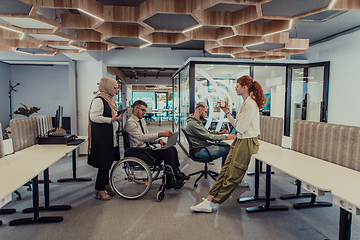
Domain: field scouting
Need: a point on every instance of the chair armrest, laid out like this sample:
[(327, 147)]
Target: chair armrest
[(138, 149)]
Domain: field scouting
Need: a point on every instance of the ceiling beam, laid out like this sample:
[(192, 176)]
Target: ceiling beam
[(118, 73)]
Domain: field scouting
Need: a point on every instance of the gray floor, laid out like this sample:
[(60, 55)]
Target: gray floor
[(146, 218)]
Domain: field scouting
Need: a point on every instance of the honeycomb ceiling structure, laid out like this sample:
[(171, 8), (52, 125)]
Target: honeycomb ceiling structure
[(256, 29)]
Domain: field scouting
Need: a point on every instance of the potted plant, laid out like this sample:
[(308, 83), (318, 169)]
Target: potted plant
[(26, 111)]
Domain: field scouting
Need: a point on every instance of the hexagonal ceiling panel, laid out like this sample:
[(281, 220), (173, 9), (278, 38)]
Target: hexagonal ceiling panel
[(266, 46), (48, 37), (35, 50), (132, 3), (291, 8), (171, 21), (224, 7), (126, 41), (27, 23), (14, 7), (186, 24)]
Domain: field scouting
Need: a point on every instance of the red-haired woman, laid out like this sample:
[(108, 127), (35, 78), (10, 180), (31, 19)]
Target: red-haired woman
[(244, 145)]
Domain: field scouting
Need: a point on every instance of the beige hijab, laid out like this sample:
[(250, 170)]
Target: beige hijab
[(106, 86)]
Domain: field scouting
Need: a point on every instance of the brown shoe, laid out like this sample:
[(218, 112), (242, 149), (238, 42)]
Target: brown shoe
[(101, 195), (109, 190)]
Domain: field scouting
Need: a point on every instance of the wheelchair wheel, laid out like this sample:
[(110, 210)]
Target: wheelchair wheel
[(131, 178), (160, 196)]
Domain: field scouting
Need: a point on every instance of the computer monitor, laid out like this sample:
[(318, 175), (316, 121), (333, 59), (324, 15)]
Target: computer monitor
[(58, 118)]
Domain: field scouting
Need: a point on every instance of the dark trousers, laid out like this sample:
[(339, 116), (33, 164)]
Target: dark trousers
[(102, 179), (169, 155)]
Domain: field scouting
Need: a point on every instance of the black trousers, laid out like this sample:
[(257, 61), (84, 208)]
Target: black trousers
[(102, 179), (168, 155)]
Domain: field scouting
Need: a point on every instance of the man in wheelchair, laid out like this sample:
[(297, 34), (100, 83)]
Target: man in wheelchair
[(139, 136)]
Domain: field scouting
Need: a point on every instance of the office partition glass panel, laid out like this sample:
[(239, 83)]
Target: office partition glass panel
[(184, 103), (306, 94), (176, 103), (215, 82), (272, 80)]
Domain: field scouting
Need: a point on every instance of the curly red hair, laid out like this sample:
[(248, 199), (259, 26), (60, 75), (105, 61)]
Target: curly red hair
[(255, 88)]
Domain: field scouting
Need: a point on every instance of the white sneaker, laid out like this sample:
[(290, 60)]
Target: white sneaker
[(204, 206), (243, 184), (214, 206)]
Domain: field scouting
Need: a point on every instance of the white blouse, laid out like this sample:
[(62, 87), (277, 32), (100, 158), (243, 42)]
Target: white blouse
[(247, 120), (96, 115)]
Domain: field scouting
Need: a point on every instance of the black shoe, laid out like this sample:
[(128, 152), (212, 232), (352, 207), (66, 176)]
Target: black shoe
[(178, 184), (183, 176)]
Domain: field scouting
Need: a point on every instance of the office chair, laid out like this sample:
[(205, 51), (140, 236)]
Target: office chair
[(207, 160), (149, 115)]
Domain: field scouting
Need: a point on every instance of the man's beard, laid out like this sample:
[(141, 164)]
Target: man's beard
[(202, 117)]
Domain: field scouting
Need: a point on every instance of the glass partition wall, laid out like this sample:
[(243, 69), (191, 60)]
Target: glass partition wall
[(210, 82)]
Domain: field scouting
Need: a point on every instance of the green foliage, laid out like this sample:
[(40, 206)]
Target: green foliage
[(26, 111)]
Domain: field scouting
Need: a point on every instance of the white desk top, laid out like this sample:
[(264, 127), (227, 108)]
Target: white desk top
[(315, 174), (18, 168)]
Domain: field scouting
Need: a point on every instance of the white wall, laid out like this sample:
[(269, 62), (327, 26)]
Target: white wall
[(344, 84), (45, 87), (5, 76)]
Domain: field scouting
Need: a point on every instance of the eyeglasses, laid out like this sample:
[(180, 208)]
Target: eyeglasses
[(142, 109)]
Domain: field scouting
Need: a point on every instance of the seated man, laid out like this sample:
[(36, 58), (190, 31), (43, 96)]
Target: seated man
[(201, 137), (139, 137)]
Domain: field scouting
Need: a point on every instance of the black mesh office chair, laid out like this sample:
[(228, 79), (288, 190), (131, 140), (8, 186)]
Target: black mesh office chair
[(207, 161)]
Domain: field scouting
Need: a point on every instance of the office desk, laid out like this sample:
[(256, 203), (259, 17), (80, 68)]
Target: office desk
[(19, 168), (318, 177), (25, 165)]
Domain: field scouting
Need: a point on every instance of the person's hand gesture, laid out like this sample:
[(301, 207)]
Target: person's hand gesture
[(223, 131), (162, 143), (225, 108), (231, 136), (116, 118), (167, 133)]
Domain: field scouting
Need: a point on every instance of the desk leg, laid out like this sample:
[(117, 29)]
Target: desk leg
[(260, 172), (298, 193), (257, 181), (36, 218), (345, 225), (312, 203), (47, 206), (267, 206), (74, 178)]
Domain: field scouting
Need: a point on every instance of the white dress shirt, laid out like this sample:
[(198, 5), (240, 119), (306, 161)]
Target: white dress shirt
[(247, 120), (137, 137), (96, 115)]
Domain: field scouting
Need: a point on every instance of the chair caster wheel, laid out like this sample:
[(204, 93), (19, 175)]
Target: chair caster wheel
[(160, 196)]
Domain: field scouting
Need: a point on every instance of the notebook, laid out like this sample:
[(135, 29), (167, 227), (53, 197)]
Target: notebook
[(172, 140)]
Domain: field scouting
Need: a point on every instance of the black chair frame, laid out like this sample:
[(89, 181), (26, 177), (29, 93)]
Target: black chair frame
[(155, 167), (207, 161)]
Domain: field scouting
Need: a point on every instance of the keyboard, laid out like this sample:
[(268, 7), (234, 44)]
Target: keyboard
[(76, 142)]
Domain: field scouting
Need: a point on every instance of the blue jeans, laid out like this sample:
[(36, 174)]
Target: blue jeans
[(220, 149)]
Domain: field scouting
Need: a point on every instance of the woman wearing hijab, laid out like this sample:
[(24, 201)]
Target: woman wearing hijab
[(102, 134)]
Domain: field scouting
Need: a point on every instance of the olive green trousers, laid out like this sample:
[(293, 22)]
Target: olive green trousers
[(234, 168)]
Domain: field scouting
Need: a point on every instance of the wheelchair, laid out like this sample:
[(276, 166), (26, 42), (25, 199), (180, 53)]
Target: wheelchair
[(132, 176)]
